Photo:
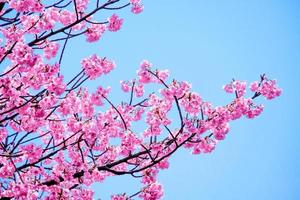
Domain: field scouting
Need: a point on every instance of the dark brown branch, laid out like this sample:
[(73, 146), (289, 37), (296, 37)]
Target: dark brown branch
[(116, 110), (72, 24)]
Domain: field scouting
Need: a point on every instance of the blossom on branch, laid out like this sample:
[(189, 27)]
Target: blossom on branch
[(57, 137)]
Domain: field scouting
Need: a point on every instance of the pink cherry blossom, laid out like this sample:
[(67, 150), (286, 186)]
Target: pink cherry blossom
[(254, 86), (191, 103), (266, 87), (115, 23), (126, 86), (51, 49), (32, 152), (119, 197), (3, 134), (152, 191), (95, 66), (135, 1), (254, 112), (137, 6), (56, 85), (81, 5), (26, 5), (239, 87), (94, 32), (66, 17), (139, 90), (59, 135)]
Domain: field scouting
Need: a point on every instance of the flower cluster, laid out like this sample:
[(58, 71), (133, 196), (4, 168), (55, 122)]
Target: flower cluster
[(266, 87), (94, 32), (26, 5), (115, 23), (58, 138), (95, 66), (51, 49), (137, 6), (152, 191), (239, 87)]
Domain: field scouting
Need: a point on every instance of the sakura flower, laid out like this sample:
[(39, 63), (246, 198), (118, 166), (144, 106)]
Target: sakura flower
[(94, 32), (266, 87), (191, 103), (239, 87), (115, 23), (153, 191), (56, 85), (119, 197), (135, 1), (66, 17), (95, 66), (51, 50), (32, 152), (26, 5), (138, 89), (220, 131), (254, 112), (3, 134), (126, 86), (137, 6), (81, 5), (254, 86)]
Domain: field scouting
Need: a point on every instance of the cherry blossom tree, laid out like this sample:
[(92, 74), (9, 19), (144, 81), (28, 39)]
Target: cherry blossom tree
[(57, 138)]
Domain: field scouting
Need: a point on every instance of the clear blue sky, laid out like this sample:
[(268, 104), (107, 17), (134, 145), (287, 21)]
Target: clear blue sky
[(208, 43)]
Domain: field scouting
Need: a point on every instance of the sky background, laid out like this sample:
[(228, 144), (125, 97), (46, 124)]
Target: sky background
[(208, 43)]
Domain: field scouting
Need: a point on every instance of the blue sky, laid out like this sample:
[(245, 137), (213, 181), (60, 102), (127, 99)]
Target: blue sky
[(208, 43)]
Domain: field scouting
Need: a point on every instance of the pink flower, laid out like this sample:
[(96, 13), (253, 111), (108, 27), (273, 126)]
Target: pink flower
[(162, 74), (129, 143), (145, 65), (269, 89), (135, 1), (191, 103), (30, 22), (153, 191), (115, 23), (143, 73), (53, 13), (102, 92), (228, 88), (23, 55), (139, 90), (51, 50), (12, 33), (119, 197), (254, 112), (164, 164), (178, 89), (32, 152), (239, 87), (126, 86), (149, 175), (81, 5), (137, 8), (66, 17), (204, 146), (56, 85), (95, 66), (94, 32), (220, 131), (254, 86), (26, 5), (3, 134)]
